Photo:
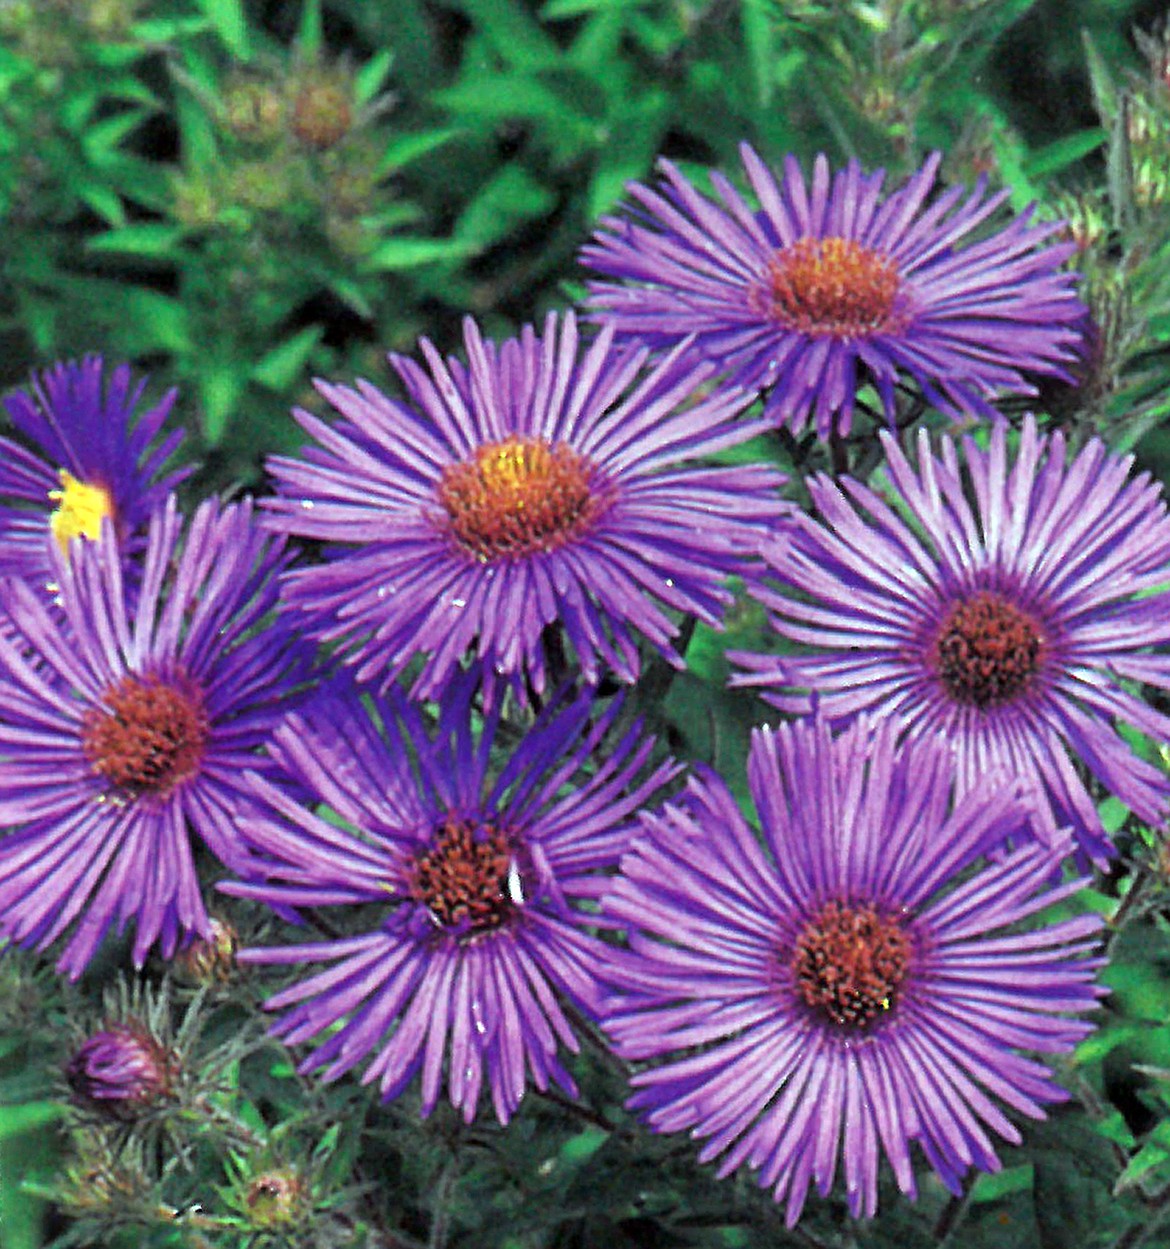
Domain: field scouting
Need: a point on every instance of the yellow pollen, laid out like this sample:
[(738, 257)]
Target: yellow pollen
[(517, 497), (81, 508), (831, 288)]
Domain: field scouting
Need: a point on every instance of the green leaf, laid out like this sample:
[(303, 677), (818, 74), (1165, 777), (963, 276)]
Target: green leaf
[(1064, 152), (309, 32), (1150, 1155), (410, 253), (992, 1186), (1101, 80), (152, 239), (161, 31), (371, 78), (404, 148), (758, 30), (516, 36), (584, 1145), (160, 322), (220, 387), (230, 23), (512, 196), (280, 367), (104, 201), (29, 1116)]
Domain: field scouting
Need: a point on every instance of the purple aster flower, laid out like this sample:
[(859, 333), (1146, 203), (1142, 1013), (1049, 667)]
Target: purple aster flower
[(1009, 607), (827, 285), (122, 1072), (530, 486), (485, 887), (858, 982), (91, 458), (123, 733)]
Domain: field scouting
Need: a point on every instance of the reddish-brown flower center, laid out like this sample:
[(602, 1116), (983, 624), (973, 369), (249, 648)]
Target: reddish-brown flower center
[(849, 963), (517, 497), (987, 650), (148, 736), (464, 879), (831, 288)]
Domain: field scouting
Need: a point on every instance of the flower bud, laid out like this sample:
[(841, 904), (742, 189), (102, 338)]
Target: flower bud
[(210, 960), (277, 1199), (122, 1072)]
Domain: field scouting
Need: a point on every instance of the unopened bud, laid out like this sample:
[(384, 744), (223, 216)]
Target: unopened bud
[(210, 960), (277, 1199), (122, 1072)]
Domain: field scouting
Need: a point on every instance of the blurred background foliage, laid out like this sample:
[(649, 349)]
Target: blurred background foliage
[(240, 196)]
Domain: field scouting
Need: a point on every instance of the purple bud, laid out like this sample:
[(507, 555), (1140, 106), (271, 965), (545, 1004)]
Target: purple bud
[(121, 1072)]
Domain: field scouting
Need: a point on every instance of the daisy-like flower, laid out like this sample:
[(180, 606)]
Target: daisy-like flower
[(530, 486), (1010, 606), (86, 457), (481, 888), (825, 286), (125, 732), (858, 982)]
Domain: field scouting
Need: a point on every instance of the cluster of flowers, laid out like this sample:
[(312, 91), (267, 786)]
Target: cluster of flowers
[(860, 973)]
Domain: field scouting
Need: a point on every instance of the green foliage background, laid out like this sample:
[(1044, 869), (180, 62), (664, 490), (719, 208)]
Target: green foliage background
[(240, 196)]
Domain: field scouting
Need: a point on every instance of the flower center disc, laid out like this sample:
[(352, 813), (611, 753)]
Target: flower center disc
[(831, 288), (148, 737), (463, 879), (987, 651), (517, 497), (80, 510), (849, 962)]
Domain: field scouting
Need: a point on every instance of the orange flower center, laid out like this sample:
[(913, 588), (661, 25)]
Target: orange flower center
[(987, 651), (81, 508), (849, 963), (831, 288), (467, 878), (148, 737), (517, 497)]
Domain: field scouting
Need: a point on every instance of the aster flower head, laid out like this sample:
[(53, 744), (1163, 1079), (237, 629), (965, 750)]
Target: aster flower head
[(124, 732), (481, 883), (855, 983), (826, 284), (87, 455), (1009, 602), (534, 484)]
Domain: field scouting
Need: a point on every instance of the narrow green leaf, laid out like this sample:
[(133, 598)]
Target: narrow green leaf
[(230, 23), (220, 388), (404, 148), (1100, 79), (371, 78), (309, 33), (1064, 152), (515, 34), (758, 29), (161, 31), (409, 253), (160, 322), (153, 239), (279, 368), (509, 198), (104, 201)]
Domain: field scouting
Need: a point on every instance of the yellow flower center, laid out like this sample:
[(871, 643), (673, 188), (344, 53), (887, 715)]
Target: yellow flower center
[(517, 497), (81, 508), (830, 288)]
